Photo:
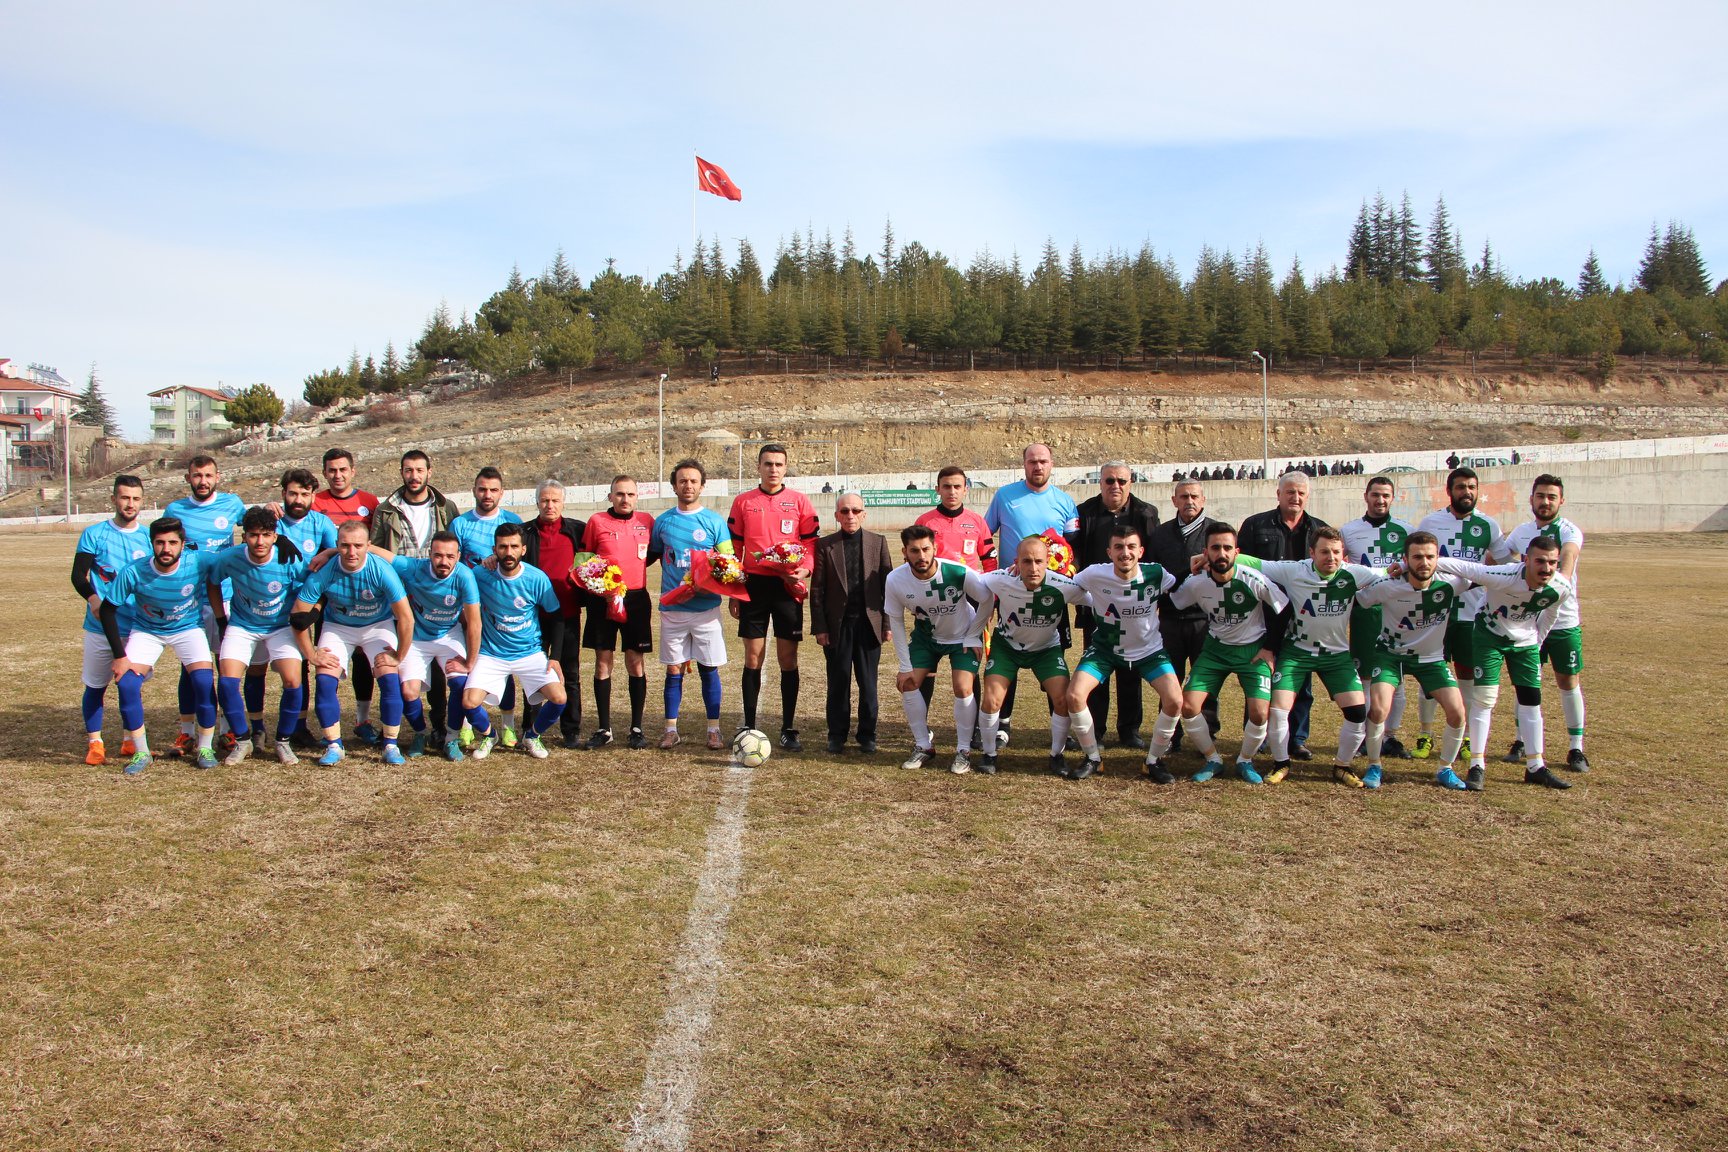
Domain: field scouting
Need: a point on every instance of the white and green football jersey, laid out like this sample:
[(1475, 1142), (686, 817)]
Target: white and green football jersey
[(1375, 545), (1475, 537), (1413, 620), (1030, 619), (1236, 608), (940, 611), (1514, 610), (1321, 622), (1566, 532), (1125, 612)]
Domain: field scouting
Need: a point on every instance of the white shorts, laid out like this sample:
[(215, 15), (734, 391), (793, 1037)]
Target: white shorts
[(371, 639), (694, 636), (417, 662), (490, 672), (191, 646), (242, 644), (98, 661)]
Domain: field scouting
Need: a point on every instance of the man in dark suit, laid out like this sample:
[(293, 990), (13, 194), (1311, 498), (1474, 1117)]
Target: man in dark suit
[(1173, 544), (1286, 533), (1115, 504), (846, 596)]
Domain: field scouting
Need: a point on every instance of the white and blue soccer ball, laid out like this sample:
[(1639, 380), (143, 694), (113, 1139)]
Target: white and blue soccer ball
[(751, 748)]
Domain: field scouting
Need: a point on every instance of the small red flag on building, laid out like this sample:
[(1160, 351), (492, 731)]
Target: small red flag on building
[(713, 178)]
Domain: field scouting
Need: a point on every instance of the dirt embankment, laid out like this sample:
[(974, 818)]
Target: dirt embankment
[(879, 422)]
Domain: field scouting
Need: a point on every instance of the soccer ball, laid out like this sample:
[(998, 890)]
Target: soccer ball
[(750, 747)]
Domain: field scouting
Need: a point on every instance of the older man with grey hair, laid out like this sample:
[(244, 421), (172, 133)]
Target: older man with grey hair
[(1287, 533), (553, 539), (1099, 516), (847, 591)]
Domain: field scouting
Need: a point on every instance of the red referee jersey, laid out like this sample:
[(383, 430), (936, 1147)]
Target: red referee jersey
[(622, 540), (759, 520), (964, 537)]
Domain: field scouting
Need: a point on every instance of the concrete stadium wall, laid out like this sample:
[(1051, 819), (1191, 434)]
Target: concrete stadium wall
[(1661, 494), (1675, 484)]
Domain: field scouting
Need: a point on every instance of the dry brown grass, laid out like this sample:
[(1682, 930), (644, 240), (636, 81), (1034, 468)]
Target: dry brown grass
[(474, 956)]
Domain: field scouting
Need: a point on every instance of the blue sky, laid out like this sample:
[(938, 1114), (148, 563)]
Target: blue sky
[(206, 193)]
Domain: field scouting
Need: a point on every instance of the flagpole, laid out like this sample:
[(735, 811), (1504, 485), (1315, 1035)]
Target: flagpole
[(692, 207)]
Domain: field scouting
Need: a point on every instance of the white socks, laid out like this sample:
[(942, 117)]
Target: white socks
[(1279, 742), (1253, 735), (1080, 724), (1530, 731), (1395, 714), (1572, 707), (1375, 736), (918, 718), (1059, 732), (1200, 736), (965, 719), (1163, 732), (1349, 739), (1451, 740), (1481, 700)]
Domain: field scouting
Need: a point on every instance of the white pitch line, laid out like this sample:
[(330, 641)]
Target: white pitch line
[(661, 1118)]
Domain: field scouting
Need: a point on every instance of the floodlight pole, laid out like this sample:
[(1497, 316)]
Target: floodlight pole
[(68, 463), (662, 472), (1265, 419)]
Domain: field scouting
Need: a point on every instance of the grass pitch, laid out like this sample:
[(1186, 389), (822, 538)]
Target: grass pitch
[(475, 956)]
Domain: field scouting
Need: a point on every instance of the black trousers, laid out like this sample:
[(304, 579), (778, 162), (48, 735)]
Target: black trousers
[(569, 657), (854, 653), (1129, 713)]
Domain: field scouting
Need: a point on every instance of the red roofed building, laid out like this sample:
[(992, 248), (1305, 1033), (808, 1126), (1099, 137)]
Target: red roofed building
[(185, 415)]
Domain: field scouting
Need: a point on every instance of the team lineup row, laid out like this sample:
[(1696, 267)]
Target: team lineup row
[(444, 613)]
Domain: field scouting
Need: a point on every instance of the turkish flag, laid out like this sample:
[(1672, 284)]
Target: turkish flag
[(713, 178)]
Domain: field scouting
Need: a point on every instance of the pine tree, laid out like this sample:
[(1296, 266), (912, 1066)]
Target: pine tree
[(390, 369), (1360, 256), (1445, 257), (1591, 282), (1408, 243), (94, 411), (1673, 261)]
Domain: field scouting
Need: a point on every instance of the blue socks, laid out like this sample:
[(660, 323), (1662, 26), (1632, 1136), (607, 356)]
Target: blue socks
[(288, 711), (453, 711), (228, 687), (204, 698), (131, 691), (390, 699), (415, 711), (92, 707), (329, 707), (711, 689), (479, 720), (546, 716), (188, 698), (254, 695), (674, 694)]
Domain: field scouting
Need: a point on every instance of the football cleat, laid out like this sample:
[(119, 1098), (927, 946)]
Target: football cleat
[(483, 745), (204, 758), (369, 733), (961, 764), (453, 750), (600, 739), (789, 740), (1447, 778), (715, 743), (1371, 778), (139, 762), (535, 747), (1476, 779), (1059, 764), (239, 754), (1280, 769), (987, 765), (669, 738), (507, 736), (1342, 775), (919, 758), (416, 746), (95, 755), (1088, 765), (1245, 773), (1158, 774), (333, 755), (1207, 770), (183, 746), (637, 739), (1515, 754), (1576, 761), (1424, 747), (393, 753), (285, 753), (1541, 775)]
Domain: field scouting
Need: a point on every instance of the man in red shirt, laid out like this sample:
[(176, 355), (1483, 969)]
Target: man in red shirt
[(553, 540), (770, 514), (621, 534), (342, 502), (961, 534)]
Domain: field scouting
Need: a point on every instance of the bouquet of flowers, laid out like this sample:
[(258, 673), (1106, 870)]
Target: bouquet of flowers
[(1061, 555), (790, 562), (717, 572), (604, 579)]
